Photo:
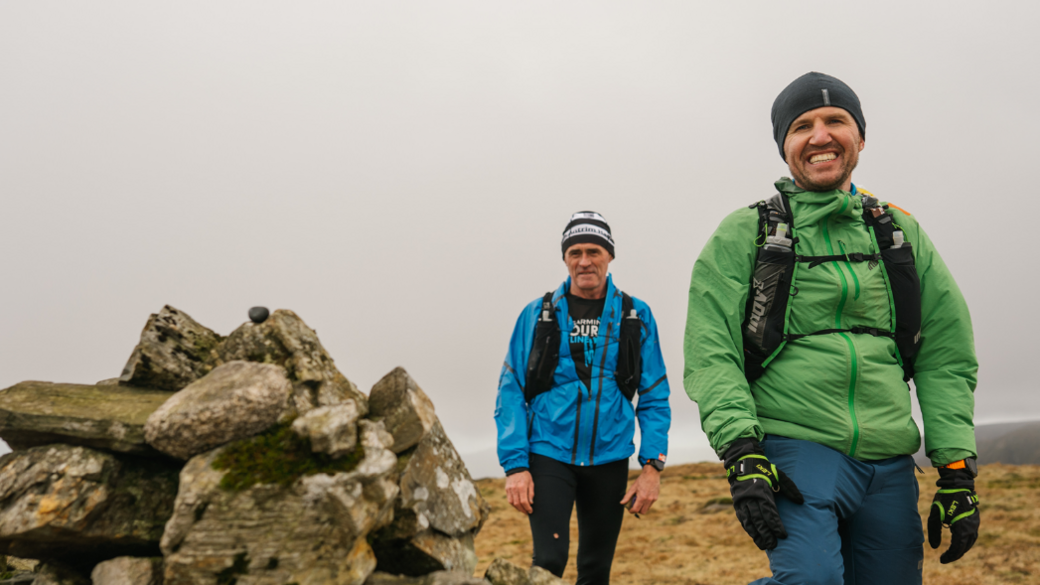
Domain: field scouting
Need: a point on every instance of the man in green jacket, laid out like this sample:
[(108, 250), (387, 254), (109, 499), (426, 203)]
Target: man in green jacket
[(807, 316)]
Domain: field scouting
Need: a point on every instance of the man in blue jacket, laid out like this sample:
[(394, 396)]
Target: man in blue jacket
[(583, 363)]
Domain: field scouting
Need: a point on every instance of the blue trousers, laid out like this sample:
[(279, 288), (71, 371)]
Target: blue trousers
[(859, 524)]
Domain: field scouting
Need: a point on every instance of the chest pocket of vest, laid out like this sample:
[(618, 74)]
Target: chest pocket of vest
[(545, 352), (630, 360)]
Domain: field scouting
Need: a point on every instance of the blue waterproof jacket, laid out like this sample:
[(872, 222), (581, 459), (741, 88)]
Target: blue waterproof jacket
[(572, 423)]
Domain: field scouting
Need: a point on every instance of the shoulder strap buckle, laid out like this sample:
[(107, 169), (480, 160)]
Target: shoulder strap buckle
[(547, 307)]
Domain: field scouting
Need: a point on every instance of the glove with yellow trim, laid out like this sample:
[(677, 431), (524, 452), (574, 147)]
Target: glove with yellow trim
[(754, 483), (955, 505)]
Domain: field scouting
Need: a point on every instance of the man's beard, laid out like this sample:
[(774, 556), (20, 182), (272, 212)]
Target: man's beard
[(848, 166)]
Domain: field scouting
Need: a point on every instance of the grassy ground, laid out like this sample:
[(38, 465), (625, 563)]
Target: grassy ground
[(686, 540)]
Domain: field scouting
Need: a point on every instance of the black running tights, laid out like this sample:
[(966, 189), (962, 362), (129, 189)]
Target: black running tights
[(597, 490)]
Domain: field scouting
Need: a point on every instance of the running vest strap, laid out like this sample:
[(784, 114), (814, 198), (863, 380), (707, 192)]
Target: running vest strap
[(815, 261), (772, 284), (545, 350)]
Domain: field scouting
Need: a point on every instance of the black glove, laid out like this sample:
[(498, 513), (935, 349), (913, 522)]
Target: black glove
[(753, 480), (955, 505)]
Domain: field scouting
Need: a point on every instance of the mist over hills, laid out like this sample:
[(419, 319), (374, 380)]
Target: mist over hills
[(1019, 446), (1014, 443)]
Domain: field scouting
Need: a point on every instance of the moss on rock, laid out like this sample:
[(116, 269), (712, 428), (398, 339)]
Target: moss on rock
[(277, 456)]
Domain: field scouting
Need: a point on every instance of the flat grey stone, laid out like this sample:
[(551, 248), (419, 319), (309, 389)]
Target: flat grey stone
[(77, 506), (105, 417)]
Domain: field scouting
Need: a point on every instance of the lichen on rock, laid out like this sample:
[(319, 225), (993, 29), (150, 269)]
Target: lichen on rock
[(285, 480), (78, 506), (330, 429), (437, 515), (312, 530), (404, 408), (285, 340), (173, 352)]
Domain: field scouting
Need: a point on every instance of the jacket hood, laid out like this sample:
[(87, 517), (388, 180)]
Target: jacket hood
[(814, 206)]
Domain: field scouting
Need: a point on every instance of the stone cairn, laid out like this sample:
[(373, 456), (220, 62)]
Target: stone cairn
[(247, 459)]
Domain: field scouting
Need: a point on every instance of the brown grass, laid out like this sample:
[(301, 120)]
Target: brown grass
[(680, 542)]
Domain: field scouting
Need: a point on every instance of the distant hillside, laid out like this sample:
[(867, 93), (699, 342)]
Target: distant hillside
[(1016, 443), (1018, 447), (995, 431)]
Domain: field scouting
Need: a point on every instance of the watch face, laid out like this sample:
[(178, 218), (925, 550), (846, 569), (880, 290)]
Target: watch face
[(656, 463)]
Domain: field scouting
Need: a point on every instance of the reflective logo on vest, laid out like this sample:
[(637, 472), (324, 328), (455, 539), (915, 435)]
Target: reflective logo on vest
[(758, 310)]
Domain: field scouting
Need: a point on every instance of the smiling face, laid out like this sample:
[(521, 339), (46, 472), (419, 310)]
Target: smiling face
[(822, 148), (587, 264)]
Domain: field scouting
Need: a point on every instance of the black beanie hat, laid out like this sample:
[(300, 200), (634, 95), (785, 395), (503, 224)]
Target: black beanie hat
[(808, 92), (587, 227)]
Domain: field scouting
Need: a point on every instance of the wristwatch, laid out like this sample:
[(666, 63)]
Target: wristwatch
[(969, 464), (655, 463)]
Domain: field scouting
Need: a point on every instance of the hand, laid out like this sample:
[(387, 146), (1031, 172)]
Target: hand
[(520, 491), (955, 505), (644, 489), (753, 481)]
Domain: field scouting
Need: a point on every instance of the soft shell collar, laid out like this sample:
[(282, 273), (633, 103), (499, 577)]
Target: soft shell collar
[(815, 206)]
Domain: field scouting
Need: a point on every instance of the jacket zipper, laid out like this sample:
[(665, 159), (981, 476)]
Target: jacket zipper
[(577, 420), (599, 393), (848, 266), (848, 340)]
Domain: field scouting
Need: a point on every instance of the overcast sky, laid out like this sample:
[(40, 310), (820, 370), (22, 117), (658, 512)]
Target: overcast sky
[(398, 173)]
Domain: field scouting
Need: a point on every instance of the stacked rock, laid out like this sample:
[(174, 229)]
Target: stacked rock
[(248, 458)]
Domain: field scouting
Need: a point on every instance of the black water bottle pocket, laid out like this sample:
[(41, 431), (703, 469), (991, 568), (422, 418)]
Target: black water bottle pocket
[(629, 366), (545, 355), (753, 368), (906, 297), (767, 305)]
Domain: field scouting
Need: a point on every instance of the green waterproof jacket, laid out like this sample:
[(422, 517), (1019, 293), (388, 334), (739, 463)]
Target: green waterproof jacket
[(842, 390)]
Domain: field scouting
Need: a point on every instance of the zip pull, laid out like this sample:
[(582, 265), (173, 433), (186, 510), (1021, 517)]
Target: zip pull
[(848, 264), (841, 245)]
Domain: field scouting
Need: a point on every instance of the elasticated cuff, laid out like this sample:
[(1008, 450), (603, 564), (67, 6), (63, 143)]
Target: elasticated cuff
[(955, 479), (741, 448)]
